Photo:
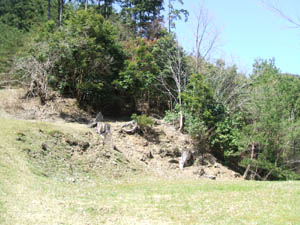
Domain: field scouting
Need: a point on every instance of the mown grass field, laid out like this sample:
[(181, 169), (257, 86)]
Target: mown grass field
[(28, 196)]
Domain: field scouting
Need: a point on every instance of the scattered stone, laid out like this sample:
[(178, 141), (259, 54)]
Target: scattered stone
[(212, 177), (20, 134), (200, 172), (176, 152), (84, 146), (173, 161), (156, 123), (72, 142), (106, 155), (144, 158), (116, 149), (150, 155), (164, 152), (147, 156), (44, 147), (20, 139), (236, 175), (173, 166)]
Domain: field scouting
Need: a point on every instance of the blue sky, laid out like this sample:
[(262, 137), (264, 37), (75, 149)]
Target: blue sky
[(249, 31)]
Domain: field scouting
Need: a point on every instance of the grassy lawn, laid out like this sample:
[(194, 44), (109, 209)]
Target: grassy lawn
[(28, 196)]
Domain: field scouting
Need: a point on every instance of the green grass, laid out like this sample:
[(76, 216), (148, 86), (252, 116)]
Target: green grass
[(28, 196)]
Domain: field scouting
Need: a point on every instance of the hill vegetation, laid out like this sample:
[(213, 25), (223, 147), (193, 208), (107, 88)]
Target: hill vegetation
[(117, 57), (62, 62)]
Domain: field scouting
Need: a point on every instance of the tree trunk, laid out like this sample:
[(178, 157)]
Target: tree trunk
[(60, 11), (99, 5), (186, 159), (248, 167), (86, 5), (105, 12), (181, 121), (49, 9), (169, 16)]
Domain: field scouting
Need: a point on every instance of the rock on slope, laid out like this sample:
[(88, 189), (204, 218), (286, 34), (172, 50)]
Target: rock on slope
[(160, 152)]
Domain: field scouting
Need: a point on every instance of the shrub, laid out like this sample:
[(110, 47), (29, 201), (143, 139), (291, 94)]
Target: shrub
[(144, 122)]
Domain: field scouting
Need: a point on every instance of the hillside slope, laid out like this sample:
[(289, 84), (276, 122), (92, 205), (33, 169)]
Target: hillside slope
[(56, 185), (59, 172), (157, 152)]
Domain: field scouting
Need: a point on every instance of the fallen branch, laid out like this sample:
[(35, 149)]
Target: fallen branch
[(130, 127)]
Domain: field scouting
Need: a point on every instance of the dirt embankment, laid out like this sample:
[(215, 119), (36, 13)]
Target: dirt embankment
[(158, 152)]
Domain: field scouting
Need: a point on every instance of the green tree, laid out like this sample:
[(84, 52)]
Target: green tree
[(175, 14), (90, 58), (23, 14), (143, 16), (137, 80), (272, 124), (11, 39)]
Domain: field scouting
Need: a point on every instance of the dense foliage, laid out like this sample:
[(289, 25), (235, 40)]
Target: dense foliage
[(89, 58), (117, 57)]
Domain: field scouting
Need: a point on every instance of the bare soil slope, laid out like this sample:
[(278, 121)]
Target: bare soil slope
[(157, 153)]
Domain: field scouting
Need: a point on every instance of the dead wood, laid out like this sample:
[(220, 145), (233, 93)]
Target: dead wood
[(130, 127), (186, 159)]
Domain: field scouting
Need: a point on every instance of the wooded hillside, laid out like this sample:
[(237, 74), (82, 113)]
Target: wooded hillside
[(120, 58)]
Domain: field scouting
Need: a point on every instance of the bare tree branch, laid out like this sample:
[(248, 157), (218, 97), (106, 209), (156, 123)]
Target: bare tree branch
[(275, 9), (206, 36), (36, 72)]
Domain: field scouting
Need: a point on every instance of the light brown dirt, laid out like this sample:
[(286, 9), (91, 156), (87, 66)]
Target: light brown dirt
[(164, 143)]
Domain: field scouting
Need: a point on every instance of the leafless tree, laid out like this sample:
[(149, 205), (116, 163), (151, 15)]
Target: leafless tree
[(230, 88), (175, 84), (86, 4), (36, 73), (206, 35), (60, 4)]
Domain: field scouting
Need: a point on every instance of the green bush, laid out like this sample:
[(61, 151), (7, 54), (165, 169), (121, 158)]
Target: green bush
[(89, 59), (171, 116), (144, 122)]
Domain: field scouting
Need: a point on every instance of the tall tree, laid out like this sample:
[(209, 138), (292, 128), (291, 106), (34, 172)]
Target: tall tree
[(86, 4), (23, 14), (143, 16), (175, 14), (173, 78), (206, 36), (271, 127), (49, 9), (60, 5)]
